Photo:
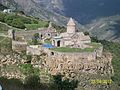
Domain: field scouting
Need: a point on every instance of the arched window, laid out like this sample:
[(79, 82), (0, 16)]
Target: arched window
[(49, 34), (52, 53)]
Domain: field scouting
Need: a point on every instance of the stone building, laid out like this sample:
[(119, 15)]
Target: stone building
[(7, 10), (19, 46), (71, 38), (44, 33)]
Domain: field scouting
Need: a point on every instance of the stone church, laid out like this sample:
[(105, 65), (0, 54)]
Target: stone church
[(71, 38)]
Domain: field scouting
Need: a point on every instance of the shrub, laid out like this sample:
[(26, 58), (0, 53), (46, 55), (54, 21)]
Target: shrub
[(64, 84), (2, 16), (8, 19), (18, 24), (86, 33), (32, 81)]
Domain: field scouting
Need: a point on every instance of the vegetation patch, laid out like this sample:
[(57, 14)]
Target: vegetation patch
[(48, 41), (95, 45), (40, 24), (28, 70), (16, 20), (5, 45), (67, 49), (3, 28), (114, 48)]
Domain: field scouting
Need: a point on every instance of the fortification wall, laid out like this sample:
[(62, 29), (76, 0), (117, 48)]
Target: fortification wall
[(38, 49), (59, 62)]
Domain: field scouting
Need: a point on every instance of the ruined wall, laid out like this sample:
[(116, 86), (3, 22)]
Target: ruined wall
[(34, 50), (59, 62), (19, 46), (99, 51), (68, 65)]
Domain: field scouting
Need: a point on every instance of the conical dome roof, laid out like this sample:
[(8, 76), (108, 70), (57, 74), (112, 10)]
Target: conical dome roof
[(71, 22)]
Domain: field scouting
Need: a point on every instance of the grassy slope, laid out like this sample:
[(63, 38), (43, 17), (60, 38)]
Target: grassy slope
[(114, 48), (3, 28), (40, 24)]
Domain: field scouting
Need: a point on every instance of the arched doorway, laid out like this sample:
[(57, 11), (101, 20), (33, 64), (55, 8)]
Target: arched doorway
[(53, 43), (58, 43)]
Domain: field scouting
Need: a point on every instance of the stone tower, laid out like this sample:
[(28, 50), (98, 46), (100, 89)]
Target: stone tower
[(71, 26)]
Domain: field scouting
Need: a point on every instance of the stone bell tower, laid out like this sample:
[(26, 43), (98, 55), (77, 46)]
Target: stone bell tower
[(71, 26)]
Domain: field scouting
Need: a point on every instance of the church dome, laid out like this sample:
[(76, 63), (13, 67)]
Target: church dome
[(71, 22)]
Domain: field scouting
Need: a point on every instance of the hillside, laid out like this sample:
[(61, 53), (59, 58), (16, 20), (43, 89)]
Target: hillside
[(106, 28), (33, 8), (2, 7), (86, 10)]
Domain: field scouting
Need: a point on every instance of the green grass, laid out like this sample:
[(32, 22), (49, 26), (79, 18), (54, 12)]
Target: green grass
[(28, 69), (95, 45), (67, 49), (1, 38), (3, 28), (36, 26), (5, 45)]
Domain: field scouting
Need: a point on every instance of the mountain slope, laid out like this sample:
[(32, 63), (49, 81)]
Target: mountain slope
[(2, 7), (32, 7), (106, 28), (86, 10)]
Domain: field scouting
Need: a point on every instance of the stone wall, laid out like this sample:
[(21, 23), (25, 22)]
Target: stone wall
[(43, 32), (19, 46), (68, 65), (34, 50), (38, 49), (9, 66), (99, 51)]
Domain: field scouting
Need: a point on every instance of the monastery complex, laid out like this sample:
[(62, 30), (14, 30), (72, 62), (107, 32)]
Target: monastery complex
[(70, 49)]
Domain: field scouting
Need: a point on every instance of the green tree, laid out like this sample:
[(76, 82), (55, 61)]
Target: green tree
[(64, 84), (36, 35), (32, 81), (35, 39)]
